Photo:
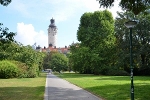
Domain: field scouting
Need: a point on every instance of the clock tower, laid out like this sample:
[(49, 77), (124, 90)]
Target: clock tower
[(52, 34)]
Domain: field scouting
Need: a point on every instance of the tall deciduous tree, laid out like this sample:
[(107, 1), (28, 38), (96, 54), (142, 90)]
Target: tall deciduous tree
[(96, 33)]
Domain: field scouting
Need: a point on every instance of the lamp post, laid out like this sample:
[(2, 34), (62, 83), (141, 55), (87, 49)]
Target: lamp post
[(130, 25)]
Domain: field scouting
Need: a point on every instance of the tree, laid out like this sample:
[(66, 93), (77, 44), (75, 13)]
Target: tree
[(59, 62), (136, 6), (79, 59), (141, 43), (96, 28), (47, 60), (96, 33)]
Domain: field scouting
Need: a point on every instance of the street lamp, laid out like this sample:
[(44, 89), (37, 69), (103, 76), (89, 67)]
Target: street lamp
[(130, 25)]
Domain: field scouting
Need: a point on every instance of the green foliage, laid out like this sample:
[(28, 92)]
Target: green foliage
[(33, 71), (96, 34), (80, 59), (59, 62), (8, 70), (47, 59), (23, 54), (141, 43), (22, 69), (96, 29)]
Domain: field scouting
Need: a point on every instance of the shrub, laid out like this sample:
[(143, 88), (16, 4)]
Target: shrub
[(26, 71), (33, 71), (23, 69), (8, 69)]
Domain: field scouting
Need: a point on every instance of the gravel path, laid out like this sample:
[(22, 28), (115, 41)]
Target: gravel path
[(59, 89)]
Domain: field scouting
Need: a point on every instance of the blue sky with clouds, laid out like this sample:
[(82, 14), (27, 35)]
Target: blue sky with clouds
[(30, 19)]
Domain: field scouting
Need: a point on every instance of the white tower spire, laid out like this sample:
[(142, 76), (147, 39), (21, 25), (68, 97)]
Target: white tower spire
[(52, 33)]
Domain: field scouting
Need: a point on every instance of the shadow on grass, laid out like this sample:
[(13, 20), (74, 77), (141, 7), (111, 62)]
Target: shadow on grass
[(22, 93), (121, 92)]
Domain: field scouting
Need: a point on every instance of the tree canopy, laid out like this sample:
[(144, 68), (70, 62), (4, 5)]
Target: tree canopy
[(96, 34), (141, 43), (136, 6), (59, 62)]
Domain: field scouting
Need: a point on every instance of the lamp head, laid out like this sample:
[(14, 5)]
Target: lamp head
[(130, 24)]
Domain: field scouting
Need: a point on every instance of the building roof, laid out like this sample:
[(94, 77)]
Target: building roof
[(61, 50)]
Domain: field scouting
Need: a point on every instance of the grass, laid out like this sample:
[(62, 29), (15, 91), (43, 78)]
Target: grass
[(111, 87), (23, 88)]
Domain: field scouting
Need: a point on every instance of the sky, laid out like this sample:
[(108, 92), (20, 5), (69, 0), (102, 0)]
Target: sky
[(30, 19)]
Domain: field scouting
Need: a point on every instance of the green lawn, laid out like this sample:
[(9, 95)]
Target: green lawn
[(23, 89), (111, 87)]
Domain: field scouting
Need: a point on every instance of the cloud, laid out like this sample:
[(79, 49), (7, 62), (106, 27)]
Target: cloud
[(28, 36)]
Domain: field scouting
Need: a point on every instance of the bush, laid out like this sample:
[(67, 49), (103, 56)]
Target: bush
[(33, 71), (23, 69), (27, 71), (8, 69)]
